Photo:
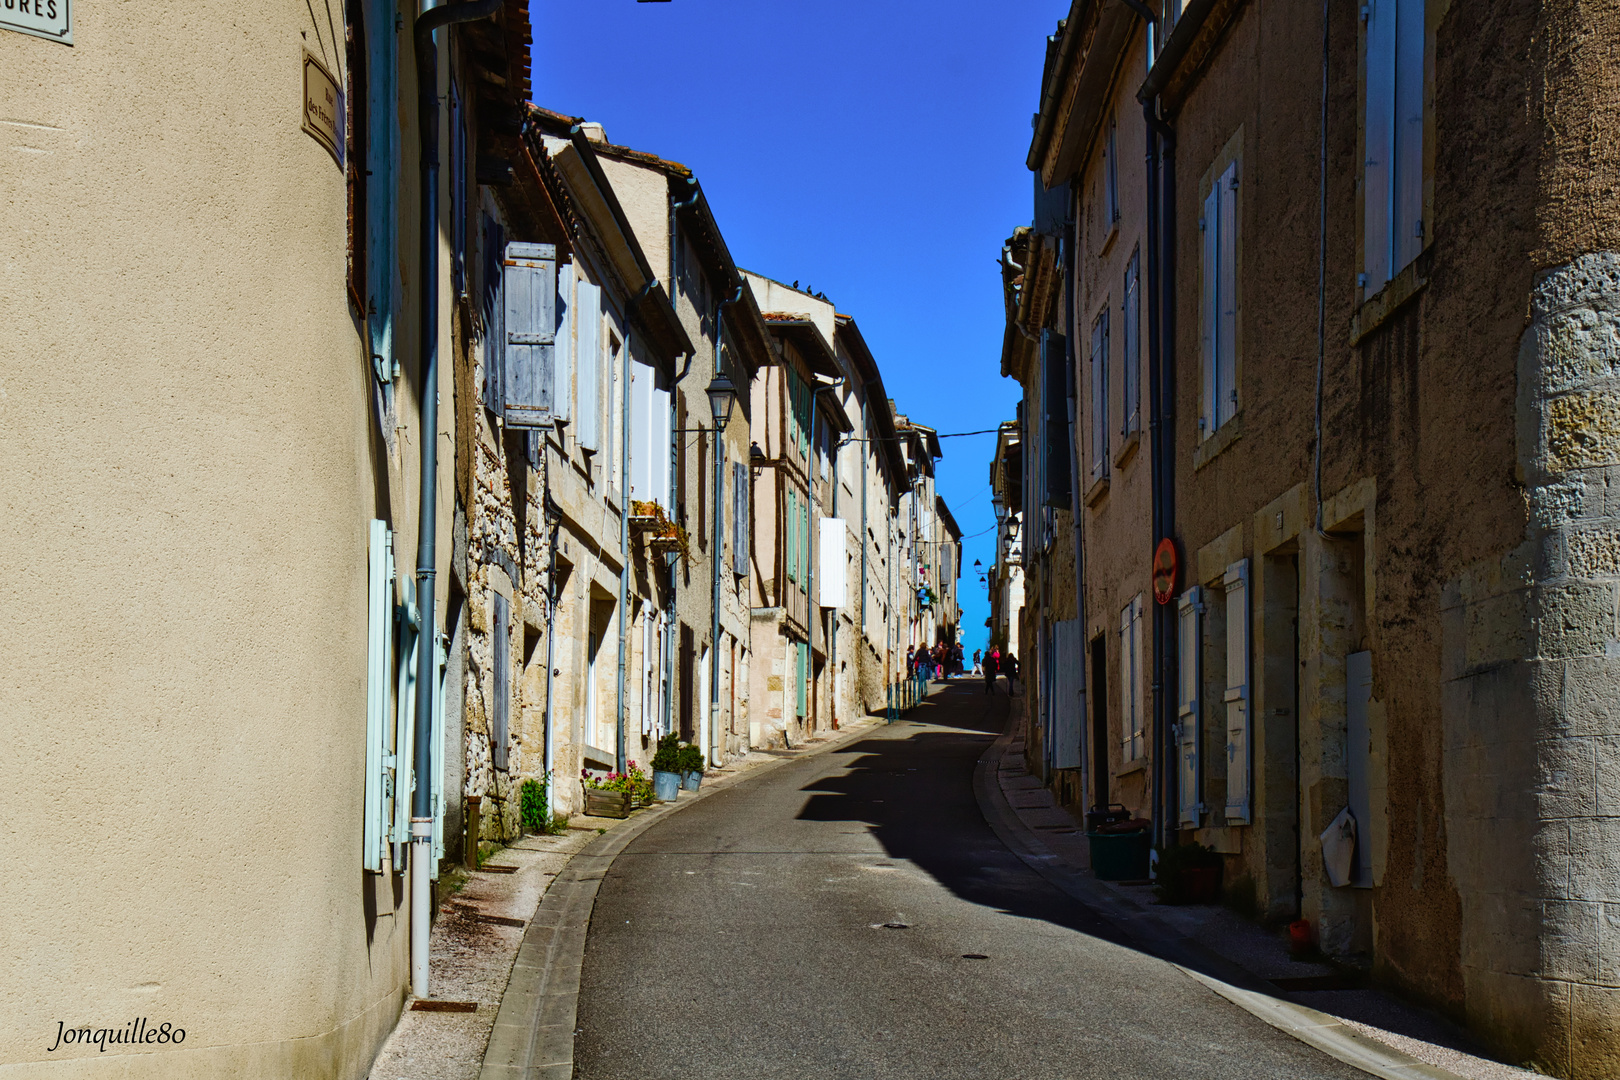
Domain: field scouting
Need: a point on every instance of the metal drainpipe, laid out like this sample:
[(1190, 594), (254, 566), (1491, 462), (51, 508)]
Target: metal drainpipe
[(427, 81), (620, 756), (719, 538), (554, 516)]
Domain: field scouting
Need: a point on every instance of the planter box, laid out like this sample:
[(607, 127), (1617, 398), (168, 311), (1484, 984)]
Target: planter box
[(1119, 856), (1201, 885), (600, 803)]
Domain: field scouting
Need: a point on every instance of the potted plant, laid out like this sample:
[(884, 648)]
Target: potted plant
[(666, 777), (689, 763), (1189, 874)]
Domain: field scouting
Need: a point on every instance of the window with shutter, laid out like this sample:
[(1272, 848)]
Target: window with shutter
[(500, 647), (1392, 135), (1218, 301), (588, 363), (1131, 354), (529, 328), (407, 623), (1099, 396), (1189, 637), (379, 673), (1239, 765), (494, 310), (1111, 174), (1133, 743)]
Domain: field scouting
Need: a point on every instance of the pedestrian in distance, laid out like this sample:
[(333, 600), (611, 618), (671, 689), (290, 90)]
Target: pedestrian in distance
[(992, 665), (1009, 664), (978, 661)]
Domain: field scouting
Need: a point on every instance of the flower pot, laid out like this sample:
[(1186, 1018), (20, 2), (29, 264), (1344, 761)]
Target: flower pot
[(599, 802), (665, 785), (691, 780)]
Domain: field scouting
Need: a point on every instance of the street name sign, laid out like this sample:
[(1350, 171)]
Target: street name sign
[(49, 19), (323, 107)]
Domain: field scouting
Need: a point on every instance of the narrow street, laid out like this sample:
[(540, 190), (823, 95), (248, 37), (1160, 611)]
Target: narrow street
[(852, 915)]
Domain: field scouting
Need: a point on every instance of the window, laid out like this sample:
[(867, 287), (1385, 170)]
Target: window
[(1219, 301), (1111, 175), (792, 535), (1131, 354), (1393, 128), (1099, 396), (458, 191)]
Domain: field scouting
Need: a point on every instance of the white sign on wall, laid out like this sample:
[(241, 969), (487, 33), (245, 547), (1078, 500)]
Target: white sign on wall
[(49, 19), (832, 581)]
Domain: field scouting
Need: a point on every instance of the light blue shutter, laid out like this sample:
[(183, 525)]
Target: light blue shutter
[(405, 721), (1238, 741), (1407, 181), (379, 646), (530, 332), (1226, 338), (1068, 705), (588, 362), (500, 645), (1190, 637), (739, 543), (1209, 305), (562, 359), (802, 663), (436, 777), (792, 535), (1378, 130), (1099, 396)]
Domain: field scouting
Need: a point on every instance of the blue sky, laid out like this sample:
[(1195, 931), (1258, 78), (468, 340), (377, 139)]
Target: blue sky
[(871, 151)]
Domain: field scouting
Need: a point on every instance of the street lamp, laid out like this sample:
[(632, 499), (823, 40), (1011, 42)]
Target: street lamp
[(1000, 507), (722, 397)]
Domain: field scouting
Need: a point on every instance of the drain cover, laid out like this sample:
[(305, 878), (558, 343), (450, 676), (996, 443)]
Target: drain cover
[(896, 926), (974, 956)]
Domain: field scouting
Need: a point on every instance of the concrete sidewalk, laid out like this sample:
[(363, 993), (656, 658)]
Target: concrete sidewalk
[(1243, 961), (482, 928)]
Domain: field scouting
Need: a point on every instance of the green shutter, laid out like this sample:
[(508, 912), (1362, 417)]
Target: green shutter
[(405, 721)]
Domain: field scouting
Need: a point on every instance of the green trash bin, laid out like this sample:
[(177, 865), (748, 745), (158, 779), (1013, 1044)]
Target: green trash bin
[(1119, 856)]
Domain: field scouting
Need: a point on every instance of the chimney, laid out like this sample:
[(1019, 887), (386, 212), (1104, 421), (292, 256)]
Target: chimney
[(593, 131)]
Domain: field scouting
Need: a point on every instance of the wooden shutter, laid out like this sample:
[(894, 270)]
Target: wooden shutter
[(1068, 700), (1131, 358), (1129, 688), (1238, 741), (379, 649), (1055, 393), (1407, 181), (1226, 341), (1099, 397), (530, 332), (792, 536), (805, 534), (802, 664), (1190, 638), (1378, 136), (740, 522), (494, 309), (1209, 307), (588, 362), (562, 357), (1358, 758), (436, 759), (500, 645), (405, 721)]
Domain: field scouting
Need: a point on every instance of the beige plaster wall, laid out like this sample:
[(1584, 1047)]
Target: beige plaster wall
[(189, 466)]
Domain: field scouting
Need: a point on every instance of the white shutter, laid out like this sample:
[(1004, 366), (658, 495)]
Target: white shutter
[(646, 462), (588, 362), (1131, 355), (1190, 637), (1358, 757), (500, 647), (1407, 182), (1226, 337), (1239, 770), (1378, 127), (832, 584), (562, 360), (1099, 397), (1130, 690), (405, 722), (379, 646), (1209, 305), (529, 330), (1068, 702)]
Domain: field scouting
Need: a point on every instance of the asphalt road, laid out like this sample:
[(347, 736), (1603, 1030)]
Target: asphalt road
[(823, 921)]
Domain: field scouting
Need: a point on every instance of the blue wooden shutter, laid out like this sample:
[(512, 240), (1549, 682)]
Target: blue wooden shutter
[(1054, 360), (529, 326), (802, 664), (409, 621), (739, 518), (379, 646), (1226, 339), (1099, 398), (1239, 793), (494, 311), (562, 358), (1407, 181), (1378, 136), (1068, 703), (500, 645), (588, 362), (1131, 360), (1209, 308), (436, 743), (1190, 637)]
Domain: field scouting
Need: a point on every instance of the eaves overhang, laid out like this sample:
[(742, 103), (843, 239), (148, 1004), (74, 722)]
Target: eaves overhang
[(1080, 103), (1187, 50), (808, 339)]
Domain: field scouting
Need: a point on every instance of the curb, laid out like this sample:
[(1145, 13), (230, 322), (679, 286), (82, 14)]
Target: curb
[(533, 1036), (1151, 935)]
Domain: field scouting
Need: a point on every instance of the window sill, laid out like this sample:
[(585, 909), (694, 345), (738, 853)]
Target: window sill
[(1108, 241), (1227, 434), (1130, 767), (1376, 310), (1098, 488), (1128, 448)]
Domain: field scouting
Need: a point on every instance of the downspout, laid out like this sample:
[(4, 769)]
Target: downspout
[(1161, 390), (427, 84), (620, 756), (719, 538), (554, 516)]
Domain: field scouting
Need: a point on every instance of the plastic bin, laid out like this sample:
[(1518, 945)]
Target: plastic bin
[(1119, 856)]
